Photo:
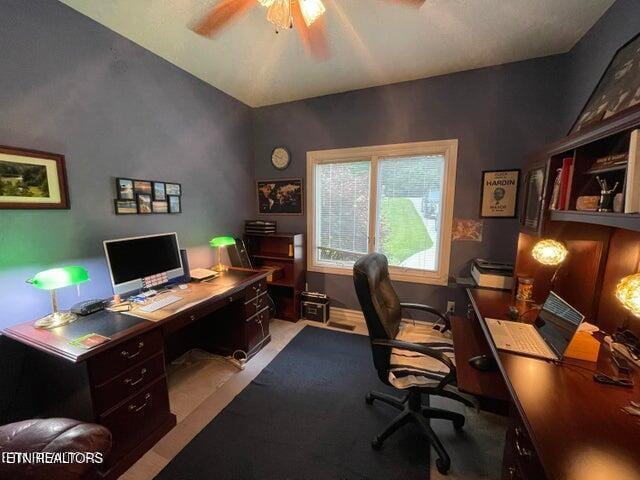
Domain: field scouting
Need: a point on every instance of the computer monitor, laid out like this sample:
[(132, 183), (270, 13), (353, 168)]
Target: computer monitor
[(143, 262), (557, 323)]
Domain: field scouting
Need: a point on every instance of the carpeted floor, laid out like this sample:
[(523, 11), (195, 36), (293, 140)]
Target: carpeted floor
[(304, 417)]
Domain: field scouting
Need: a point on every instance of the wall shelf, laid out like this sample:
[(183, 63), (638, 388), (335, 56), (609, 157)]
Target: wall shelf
[(629, 221)]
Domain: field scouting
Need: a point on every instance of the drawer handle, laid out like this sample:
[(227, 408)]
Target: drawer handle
[(193, 318), (132, 382), (512, 473), (523, 452), (129, 356), (135, 408)]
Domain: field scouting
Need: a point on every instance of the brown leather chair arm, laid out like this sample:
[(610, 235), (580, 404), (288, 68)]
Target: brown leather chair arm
[(52, 435)]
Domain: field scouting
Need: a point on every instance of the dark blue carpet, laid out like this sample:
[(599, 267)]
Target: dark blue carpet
[(304, 417)]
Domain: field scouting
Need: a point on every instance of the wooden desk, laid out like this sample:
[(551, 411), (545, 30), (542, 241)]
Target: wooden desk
[(564, 425), (122, 383)]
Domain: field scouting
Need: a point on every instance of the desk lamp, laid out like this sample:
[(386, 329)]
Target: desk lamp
[(628, 293), (550, 252), (220, 242), (51, 280)]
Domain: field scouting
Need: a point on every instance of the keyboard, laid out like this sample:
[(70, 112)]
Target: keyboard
[(517, 337), (526, 340), (160, 303)]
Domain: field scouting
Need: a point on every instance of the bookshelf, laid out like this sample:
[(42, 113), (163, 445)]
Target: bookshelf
[(588, 150), (286, 251)]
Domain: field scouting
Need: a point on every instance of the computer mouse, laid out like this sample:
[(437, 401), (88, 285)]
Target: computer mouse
[(484, 363)]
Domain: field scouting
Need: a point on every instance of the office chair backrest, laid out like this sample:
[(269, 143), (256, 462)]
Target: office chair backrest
[(379, 302)]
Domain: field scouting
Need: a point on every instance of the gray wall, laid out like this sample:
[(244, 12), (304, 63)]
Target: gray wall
[(588, 60), (71, 86), (499, 114)]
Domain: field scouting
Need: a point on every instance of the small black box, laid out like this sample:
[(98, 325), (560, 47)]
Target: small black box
[(315, 306)]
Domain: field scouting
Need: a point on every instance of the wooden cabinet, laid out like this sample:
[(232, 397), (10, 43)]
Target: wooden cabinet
[(286, 252), (130, 396), (122, 383), (520, 460)]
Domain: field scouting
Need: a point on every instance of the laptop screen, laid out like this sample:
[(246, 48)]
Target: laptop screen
[(557, 323)]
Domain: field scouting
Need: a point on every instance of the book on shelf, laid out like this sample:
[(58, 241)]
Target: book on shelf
[(566, 179), (632, 182), (616, 161)]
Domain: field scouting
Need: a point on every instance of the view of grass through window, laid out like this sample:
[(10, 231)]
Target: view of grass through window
[(407, 210)]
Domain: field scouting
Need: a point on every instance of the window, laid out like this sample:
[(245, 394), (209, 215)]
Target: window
[(393, 199)]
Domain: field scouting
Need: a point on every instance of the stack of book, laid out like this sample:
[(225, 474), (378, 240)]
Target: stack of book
[(261, 227), (490, 274)]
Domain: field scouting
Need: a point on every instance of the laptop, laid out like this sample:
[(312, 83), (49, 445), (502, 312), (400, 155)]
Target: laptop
[(548, 337)]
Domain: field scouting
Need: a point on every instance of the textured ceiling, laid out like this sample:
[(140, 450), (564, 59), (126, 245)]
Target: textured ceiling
[(372, 42)]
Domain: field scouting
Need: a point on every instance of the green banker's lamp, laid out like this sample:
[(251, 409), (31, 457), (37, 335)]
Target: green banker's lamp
[(51, 280), (220, 242)]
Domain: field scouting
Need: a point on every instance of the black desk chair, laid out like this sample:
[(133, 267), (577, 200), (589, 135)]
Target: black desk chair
[(417, 358)]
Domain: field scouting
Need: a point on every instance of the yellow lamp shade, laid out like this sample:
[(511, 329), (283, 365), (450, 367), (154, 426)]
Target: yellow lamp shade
[(628, 292), (549, 252)]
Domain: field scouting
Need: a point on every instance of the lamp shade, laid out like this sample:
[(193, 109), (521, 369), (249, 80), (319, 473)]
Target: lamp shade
[(59, 277), (549, 252), (222, 241), (628, 292)]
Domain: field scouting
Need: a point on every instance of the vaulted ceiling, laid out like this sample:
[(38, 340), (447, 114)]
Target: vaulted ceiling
[(372, 42)]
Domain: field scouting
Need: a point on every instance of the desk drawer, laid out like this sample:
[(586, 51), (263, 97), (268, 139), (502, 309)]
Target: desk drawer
[(255, 304), (258, 288), (256, 329), (129, 382), (112, 362), (135, 418), (520, 457)]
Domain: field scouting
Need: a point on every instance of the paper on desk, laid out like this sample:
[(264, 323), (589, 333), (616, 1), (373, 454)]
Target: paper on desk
[(588, 327)]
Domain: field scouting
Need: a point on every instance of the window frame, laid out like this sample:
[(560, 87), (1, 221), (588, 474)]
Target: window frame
[(446, 148)]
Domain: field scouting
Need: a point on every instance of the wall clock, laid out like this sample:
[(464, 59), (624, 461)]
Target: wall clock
[(280, 158)]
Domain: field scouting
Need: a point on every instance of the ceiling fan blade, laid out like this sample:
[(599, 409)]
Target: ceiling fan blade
[(409, 3), (223, 12), (313, 37)]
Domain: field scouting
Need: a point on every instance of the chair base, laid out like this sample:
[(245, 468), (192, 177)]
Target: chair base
[(413, 411)]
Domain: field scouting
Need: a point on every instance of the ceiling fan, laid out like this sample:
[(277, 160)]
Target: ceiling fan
[(306, 16)]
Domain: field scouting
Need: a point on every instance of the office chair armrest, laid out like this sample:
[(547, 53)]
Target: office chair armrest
[(429, 309), (415, 347)]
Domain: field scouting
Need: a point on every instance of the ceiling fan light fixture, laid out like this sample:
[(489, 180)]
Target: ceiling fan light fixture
[(279, 13), (311, 10)]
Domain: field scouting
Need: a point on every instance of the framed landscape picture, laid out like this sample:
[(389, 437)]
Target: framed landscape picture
[(499, 198), (124, 188), (32, 180), (618, 89), (280, 197)]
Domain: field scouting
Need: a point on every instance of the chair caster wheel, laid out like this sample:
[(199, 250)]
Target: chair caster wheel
[(368, 399), (443, 465), (376, 444)]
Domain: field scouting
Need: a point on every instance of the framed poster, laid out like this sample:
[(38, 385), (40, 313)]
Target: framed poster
[(617, 90), (280, 197), (499, 198), (32, 180)]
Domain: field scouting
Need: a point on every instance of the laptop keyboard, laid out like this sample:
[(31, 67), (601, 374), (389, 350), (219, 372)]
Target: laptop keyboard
[(526, 340), (515, 337)]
